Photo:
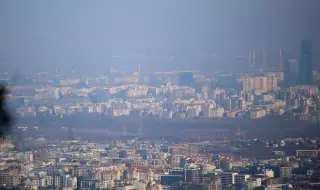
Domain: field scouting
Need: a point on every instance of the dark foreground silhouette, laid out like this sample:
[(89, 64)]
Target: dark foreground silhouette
[(5, 118)]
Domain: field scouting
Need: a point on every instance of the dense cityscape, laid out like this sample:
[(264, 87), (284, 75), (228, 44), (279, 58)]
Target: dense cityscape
[(176, 94), (33, 158), (159, 95)]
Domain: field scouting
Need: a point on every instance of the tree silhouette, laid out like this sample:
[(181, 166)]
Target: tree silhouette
[(5, 117)]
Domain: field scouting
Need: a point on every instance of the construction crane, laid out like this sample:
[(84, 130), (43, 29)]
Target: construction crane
[(238, 134)]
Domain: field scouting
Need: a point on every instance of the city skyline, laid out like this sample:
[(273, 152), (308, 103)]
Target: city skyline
[(159, 95), (35, 36)]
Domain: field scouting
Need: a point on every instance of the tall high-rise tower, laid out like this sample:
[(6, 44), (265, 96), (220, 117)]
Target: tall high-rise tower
[(264, 59), (281, 60), (252, 58), (305, 72), (287, 69)]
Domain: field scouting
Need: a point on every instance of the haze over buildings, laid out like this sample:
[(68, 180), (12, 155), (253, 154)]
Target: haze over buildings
[(152, 95), (83, 36)]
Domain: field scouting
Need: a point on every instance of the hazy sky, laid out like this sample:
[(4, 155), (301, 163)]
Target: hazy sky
[(78, 32)]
